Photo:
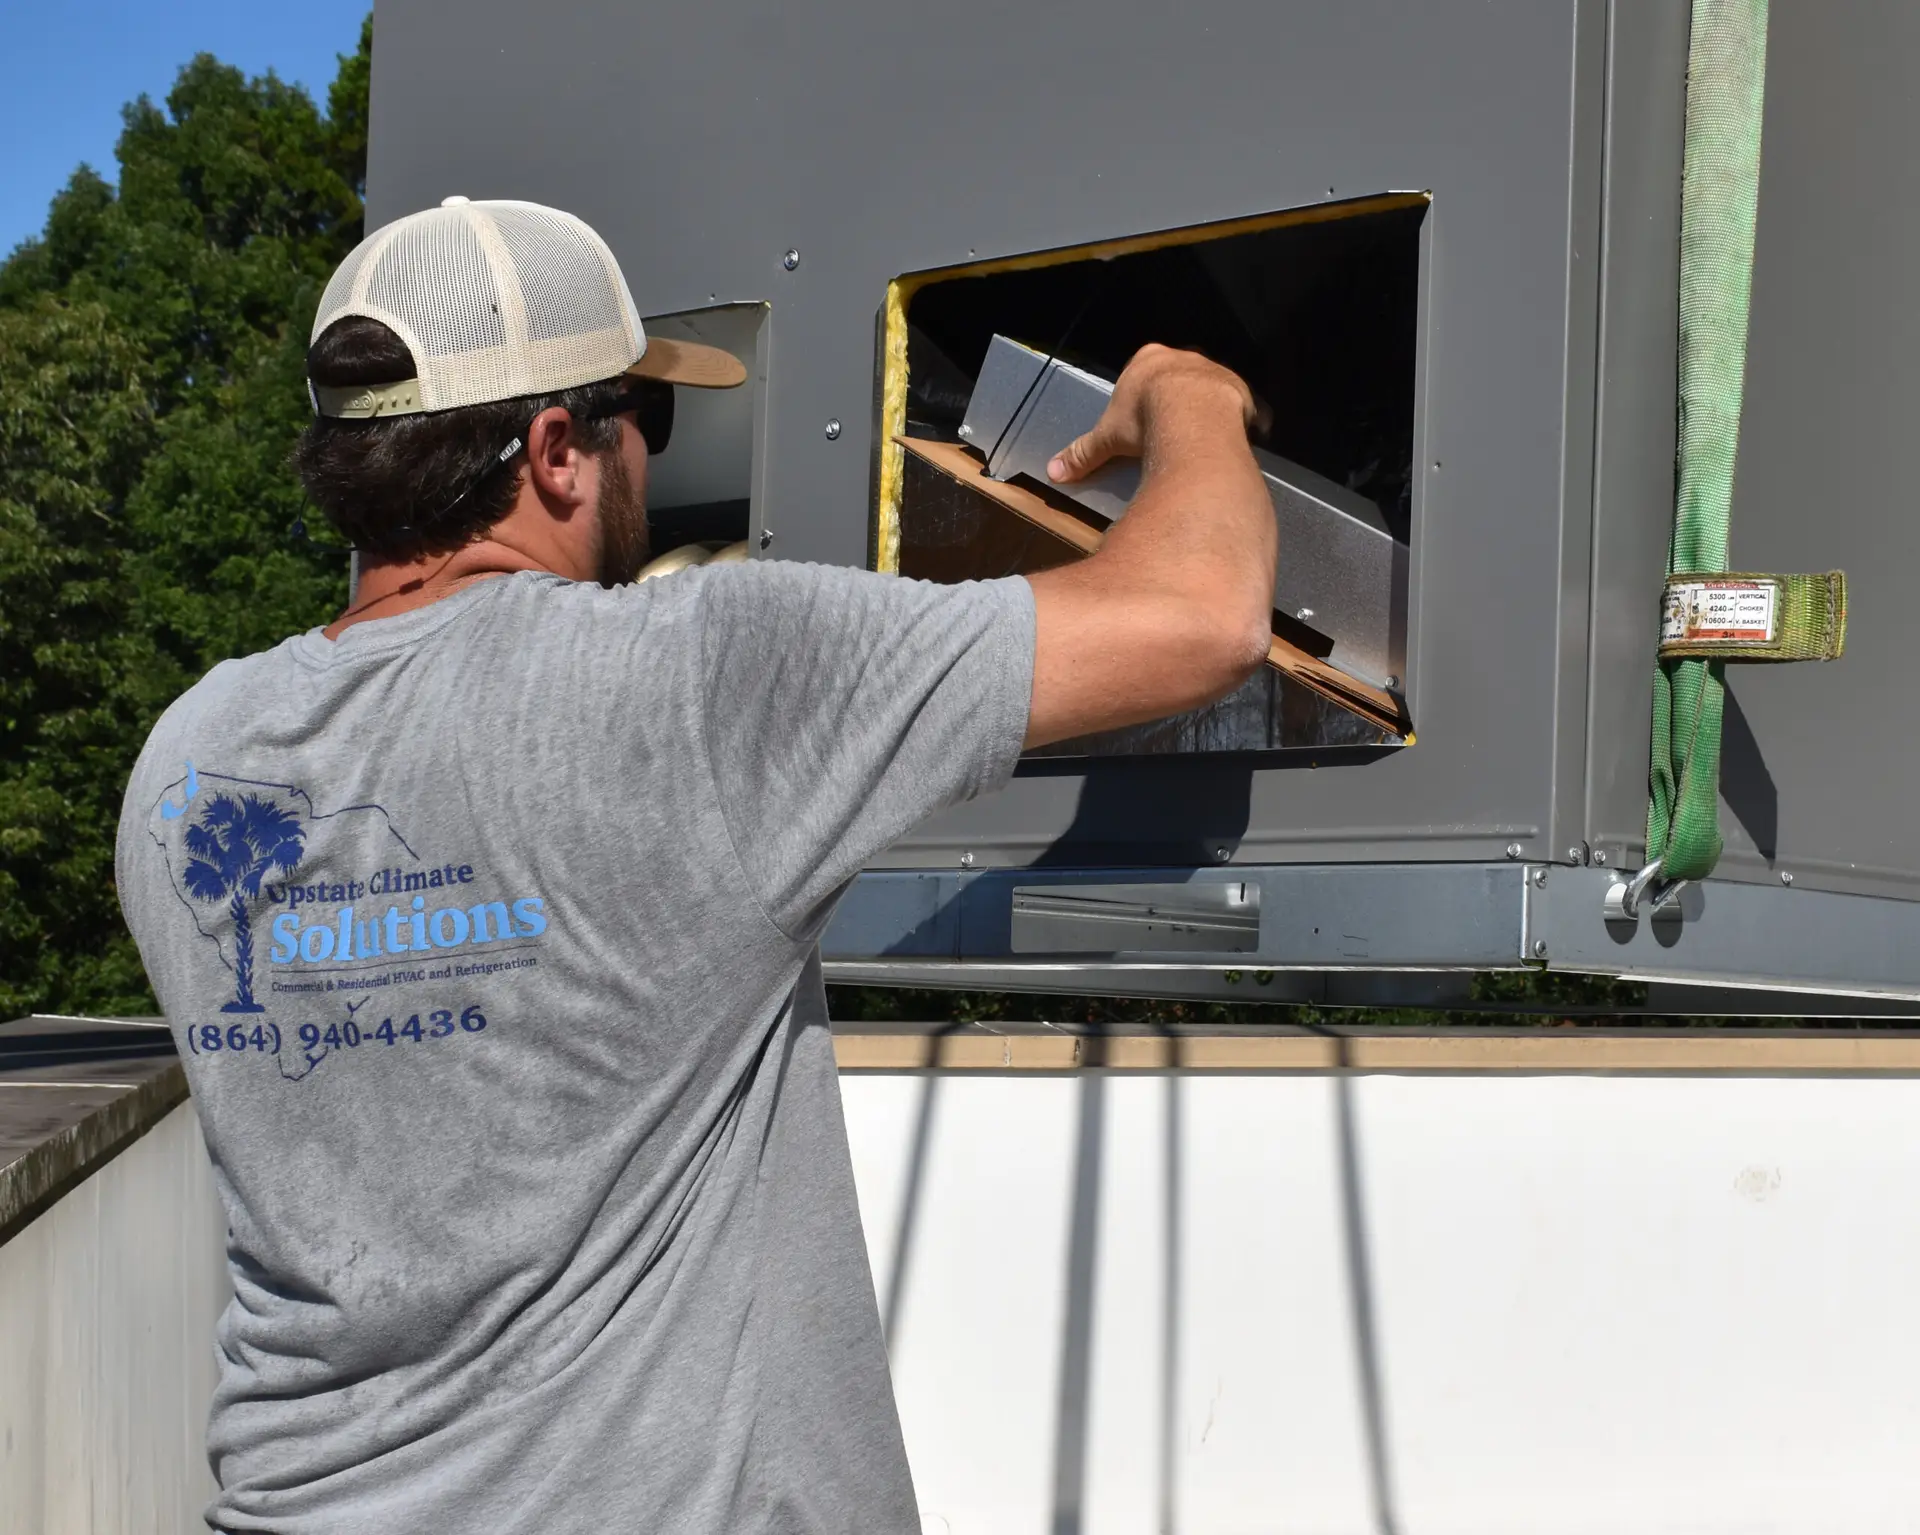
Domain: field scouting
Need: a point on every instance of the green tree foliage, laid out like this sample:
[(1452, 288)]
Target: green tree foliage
[(151, 387)]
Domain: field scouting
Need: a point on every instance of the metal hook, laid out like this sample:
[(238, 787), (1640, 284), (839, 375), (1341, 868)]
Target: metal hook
[(1624, 895)]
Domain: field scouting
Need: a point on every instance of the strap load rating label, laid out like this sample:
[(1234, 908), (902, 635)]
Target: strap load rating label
[(1718, 612), (1738, 616)]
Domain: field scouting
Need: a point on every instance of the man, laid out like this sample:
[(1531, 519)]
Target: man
[(485, 916)]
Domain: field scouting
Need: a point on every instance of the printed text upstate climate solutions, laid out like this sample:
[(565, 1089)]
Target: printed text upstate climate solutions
[(321, 925)]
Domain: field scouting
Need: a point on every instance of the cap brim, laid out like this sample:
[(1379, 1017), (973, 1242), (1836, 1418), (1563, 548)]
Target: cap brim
[(688, 362)]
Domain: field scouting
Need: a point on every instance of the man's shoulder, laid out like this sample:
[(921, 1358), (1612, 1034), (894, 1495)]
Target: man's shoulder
[(204, 706), (225, 683)]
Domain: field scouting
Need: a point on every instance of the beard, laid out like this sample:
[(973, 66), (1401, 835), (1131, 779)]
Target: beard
[(623, 523)]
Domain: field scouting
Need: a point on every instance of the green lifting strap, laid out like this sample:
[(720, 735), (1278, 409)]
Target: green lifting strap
[(1726, 82)]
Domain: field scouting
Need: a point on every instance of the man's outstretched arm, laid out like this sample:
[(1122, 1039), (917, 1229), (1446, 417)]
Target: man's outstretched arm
[(1174, 610)]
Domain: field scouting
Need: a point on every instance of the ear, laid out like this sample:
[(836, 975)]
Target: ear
[(555, 460)]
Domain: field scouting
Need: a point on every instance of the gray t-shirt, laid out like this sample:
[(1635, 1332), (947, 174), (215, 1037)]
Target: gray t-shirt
[(487, 933)]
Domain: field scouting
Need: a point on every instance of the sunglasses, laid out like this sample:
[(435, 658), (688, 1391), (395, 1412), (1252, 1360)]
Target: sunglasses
[(652, 405)]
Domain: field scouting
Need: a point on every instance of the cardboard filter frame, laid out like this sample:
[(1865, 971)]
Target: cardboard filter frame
[(965, 467)]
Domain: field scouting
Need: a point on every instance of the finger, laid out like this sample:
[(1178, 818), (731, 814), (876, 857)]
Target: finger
[(1262, 422), (1080, 458)]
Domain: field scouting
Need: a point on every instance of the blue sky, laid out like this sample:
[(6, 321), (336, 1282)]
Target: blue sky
[(72, 64)]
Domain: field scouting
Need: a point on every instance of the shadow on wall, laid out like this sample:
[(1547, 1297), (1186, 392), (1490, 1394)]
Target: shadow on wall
[(1360, 1294), (1074, 1392), (1197, 808), (1745, 783)]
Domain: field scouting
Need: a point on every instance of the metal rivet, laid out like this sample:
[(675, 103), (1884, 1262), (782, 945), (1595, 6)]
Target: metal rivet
[(790, 260), (1436, 466), (966, 860), (1785, 877), (1539, 948), (766, 538), (1540, 879), (833, 429), (1513, 850)]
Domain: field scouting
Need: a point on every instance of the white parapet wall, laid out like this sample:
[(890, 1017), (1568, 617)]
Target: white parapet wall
[(1437, 1305), (107, 1306), (1678, 1300)]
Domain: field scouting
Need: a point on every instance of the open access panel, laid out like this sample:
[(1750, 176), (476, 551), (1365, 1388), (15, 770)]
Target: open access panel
[(1315, 307), (1442, 241)]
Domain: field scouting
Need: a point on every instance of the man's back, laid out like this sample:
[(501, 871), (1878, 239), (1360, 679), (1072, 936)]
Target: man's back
[(487, 934)]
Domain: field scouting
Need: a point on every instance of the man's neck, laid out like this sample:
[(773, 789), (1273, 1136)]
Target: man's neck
[(389, 587)]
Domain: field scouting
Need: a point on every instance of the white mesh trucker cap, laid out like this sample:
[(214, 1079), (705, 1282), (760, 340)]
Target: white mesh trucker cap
[(497, 300)]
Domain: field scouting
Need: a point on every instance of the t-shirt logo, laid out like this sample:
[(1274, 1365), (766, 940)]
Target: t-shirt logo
[(315, 912), (235, 844)]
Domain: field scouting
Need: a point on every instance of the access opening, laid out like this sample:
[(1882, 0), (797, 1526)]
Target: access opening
[(1317, 308), (704, 489)]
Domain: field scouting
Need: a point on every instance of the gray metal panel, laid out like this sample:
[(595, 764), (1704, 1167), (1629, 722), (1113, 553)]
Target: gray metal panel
[(1817, 766), (1813, 776), (1633, 470), (1418, 917), (1731, 933), (1218, 917), (704, 141), (1323, 918), (1574, 570)]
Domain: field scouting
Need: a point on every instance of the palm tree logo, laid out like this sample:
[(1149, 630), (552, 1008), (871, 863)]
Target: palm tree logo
[(235, 845)]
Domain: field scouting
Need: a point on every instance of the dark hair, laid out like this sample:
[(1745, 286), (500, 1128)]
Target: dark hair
[(399, 487)]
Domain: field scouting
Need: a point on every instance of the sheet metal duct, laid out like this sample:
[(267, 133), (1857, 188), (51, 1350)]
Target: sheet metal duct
[(1339, 565)]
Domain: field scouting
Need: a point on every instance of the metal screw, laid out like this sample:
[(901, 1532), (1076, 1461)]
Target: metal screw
[(1540, 879), (1785, 877), (1304, 614), (833, 428), (1600, 857), (966, 860), (1539, 948), (1513, 850), (766, 538), (1223, 853), (1393, 684), (790, 260), (1263, 977), (966, 431), (1577, 853)]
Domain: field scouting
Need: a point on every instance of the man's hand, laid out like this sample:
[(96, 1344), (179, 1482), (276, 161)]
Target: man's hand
[(1156, 372), (1175, 608)]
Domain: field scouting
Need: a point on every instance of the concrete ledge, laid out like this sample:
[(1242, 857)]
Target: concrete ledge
[(74, 1094), (1053, 1047)]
